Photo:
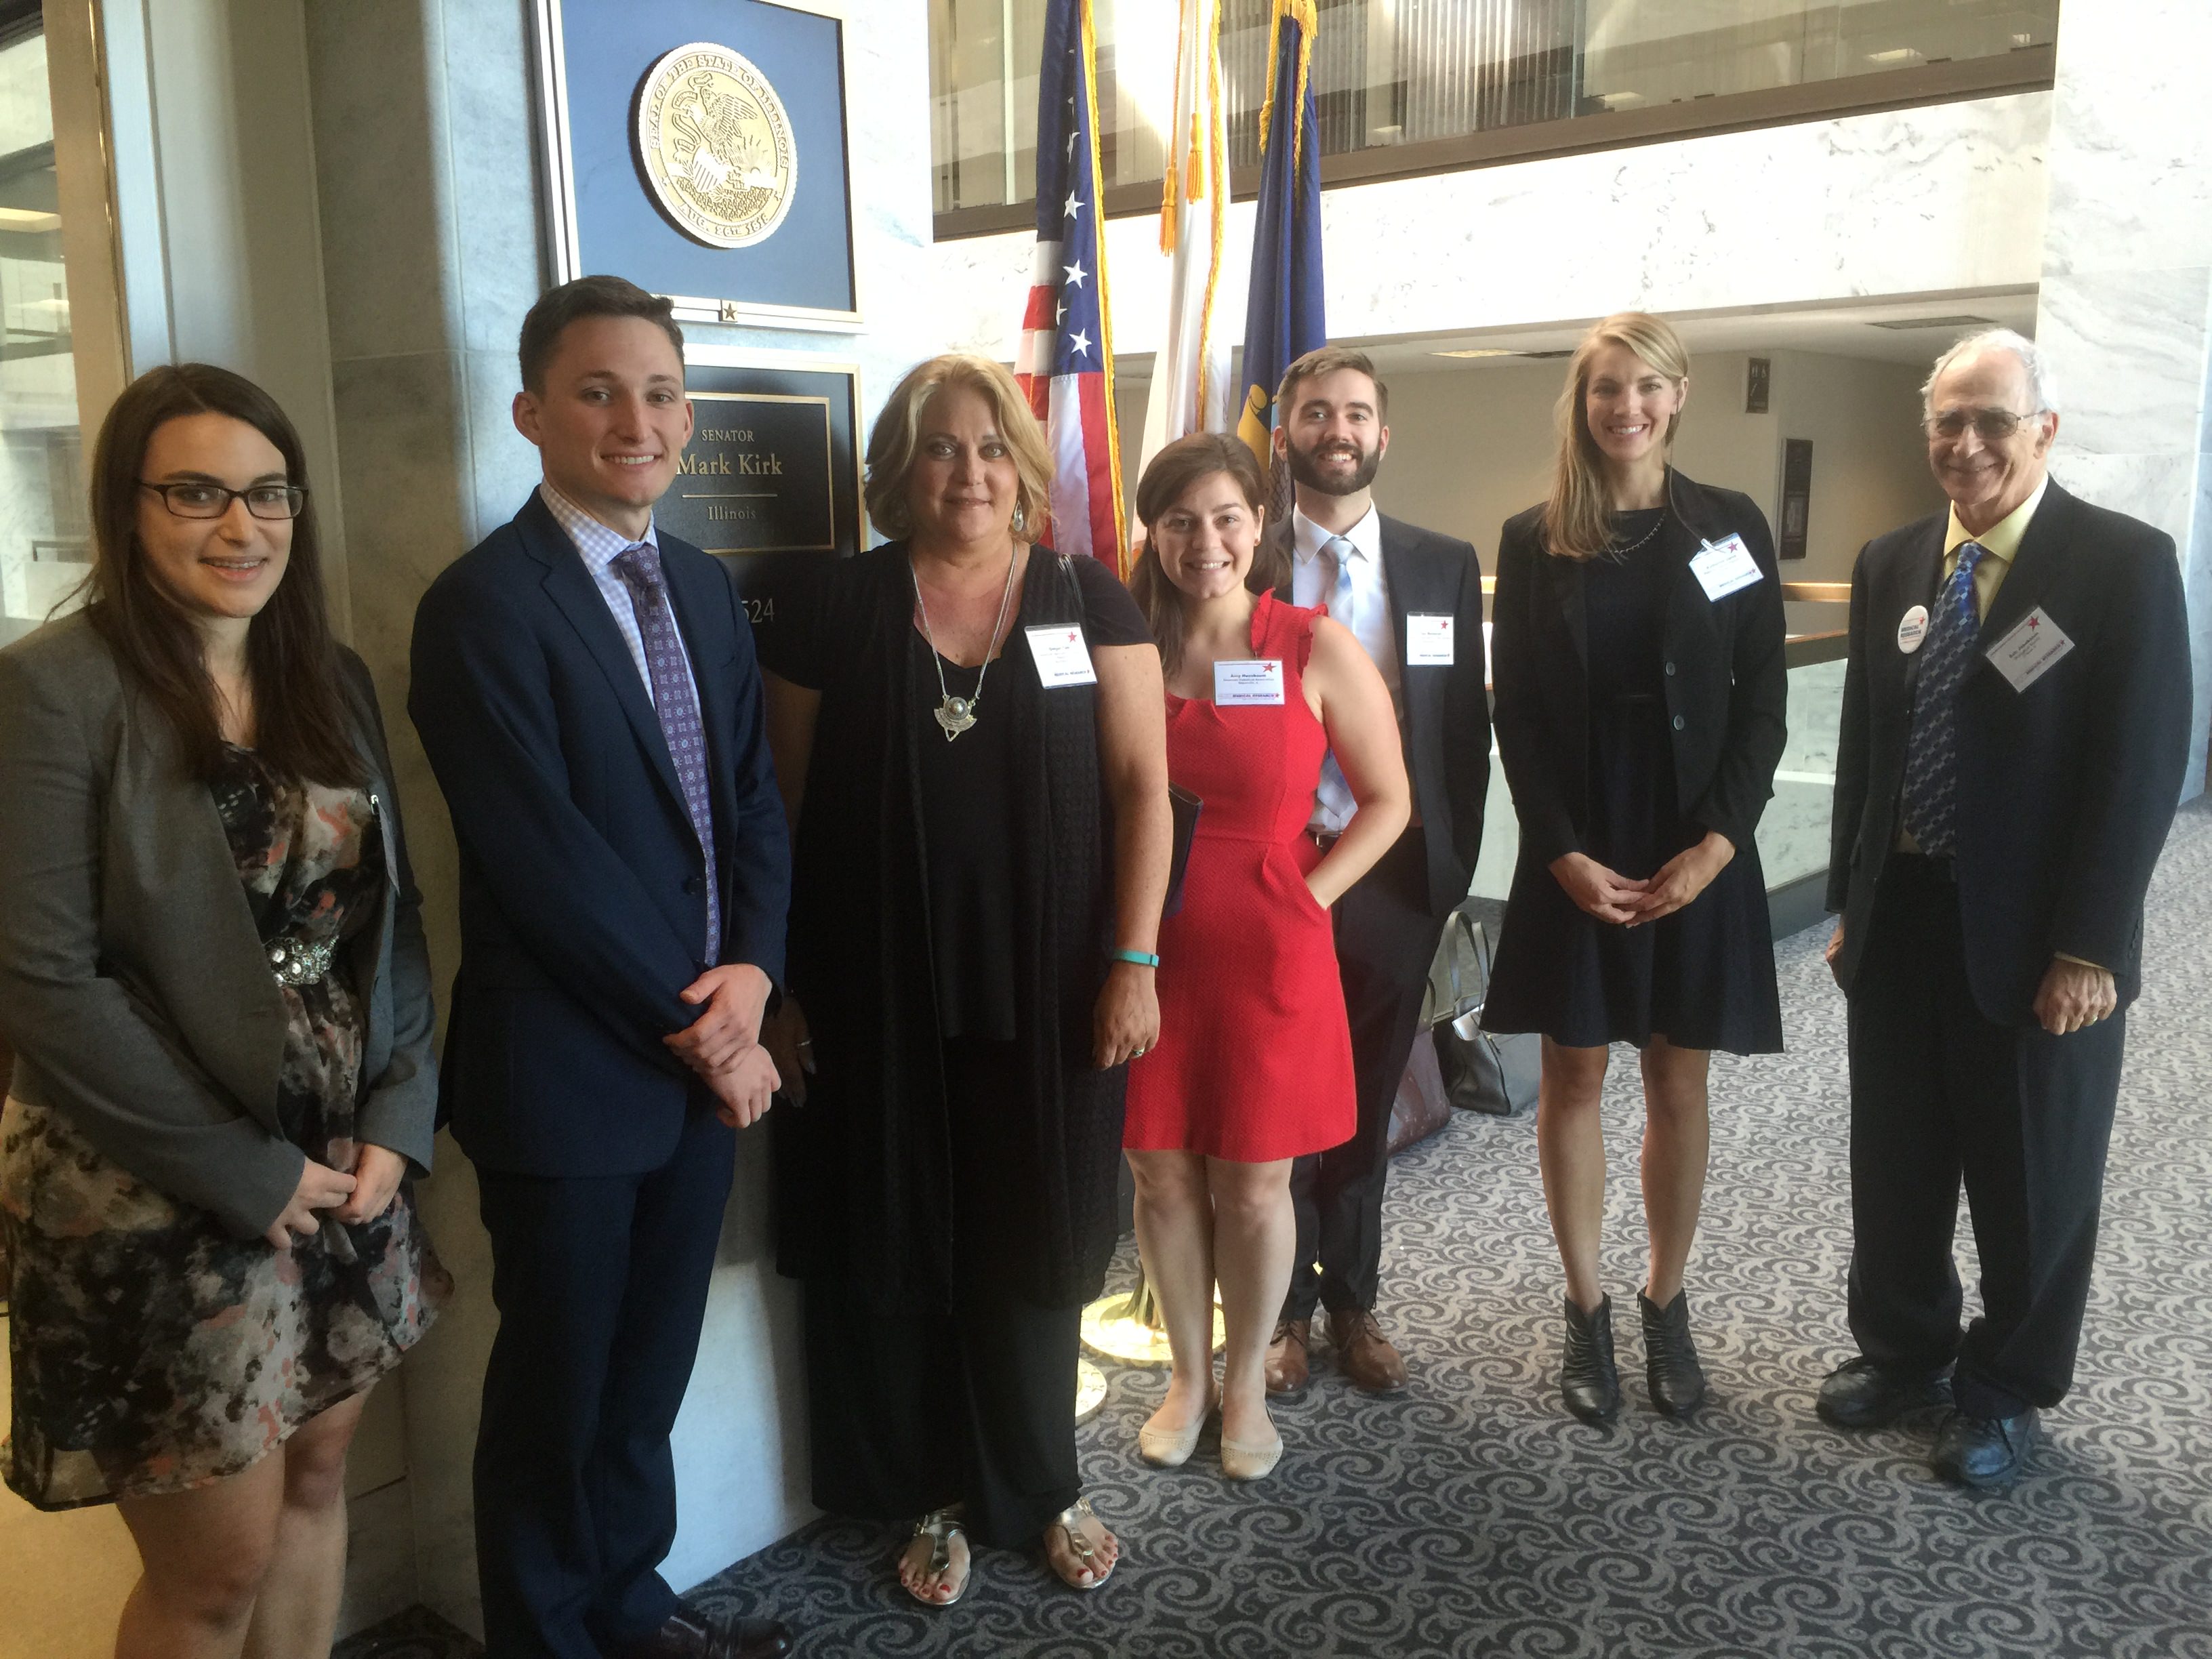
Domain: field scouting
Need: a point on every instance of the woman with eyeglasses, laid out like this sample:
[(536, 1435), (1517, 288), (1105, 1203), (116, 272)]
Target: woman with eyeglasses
[(212, 973), (1637, 661)]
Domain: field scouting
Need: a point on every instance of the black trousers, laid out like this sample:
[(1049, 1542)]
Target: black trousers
[(1939, 1094), (1386, 938), (601, 1286), (961, 1392)]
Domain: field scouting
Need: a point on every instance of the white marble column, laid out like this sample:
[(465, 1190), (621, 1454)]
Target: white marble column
[(2126, 307)]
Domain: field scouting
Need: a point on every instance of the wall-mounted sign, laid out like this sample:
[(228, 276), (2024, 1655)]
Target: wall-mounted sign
[(771, 478), (1758, 384), (698, 147), (1796, 497)]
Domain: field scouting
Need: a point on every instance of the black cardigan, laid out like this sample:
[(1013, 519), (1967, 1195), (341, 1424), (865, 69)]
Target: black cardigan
[(863, 1173), (1727, 684)]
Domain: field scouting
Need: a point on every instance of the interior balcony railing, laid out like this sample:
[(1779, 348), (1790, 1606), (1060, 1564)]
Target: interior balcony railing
[(1406, 87)]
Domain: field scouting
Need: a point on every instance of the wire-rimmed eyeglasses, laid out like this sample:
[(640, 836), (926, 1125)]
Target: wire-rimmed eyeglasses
[(1991, 425)]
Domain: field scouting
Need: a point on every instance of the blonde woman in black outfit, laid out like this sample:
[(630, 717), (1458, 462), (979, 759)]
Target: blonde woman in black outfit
[(1640, 692)]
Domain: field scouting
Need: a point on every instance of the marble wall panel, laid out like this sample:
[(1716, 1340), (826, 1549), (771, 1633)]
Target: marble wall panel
[(389, 272), (2125, 308)]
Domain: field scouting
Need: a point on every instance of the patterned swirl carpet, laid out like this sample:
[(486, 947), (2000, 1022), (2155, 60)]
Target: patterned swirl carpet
[(1471, 1517)]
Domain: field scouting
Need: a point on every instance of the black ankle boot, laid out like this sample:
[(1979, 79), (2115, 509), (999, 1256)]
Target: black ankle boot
[(1670, 1358), (1588, 1380)]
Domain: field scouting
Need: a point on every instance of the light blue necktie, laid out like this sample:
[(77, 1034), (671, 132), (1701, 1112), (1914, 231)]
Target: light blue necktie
[(1931, 753), (1334, 794)]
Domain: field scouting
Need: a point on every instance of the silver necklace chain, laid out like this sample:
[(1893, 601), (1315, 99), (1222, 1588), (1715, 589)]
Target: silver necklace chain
[(957, 714), (1622, 552)]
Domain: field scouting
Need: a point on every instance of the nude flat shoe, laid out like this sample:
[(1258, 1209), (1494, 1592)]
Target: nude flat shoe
[(1169, 1448), (1242, 1462)]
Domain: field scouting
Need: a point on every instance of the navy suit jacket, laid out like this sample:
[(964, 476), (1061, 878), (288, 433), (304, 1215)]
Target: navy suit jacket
[(1446, 709), (582, 899), (2066, 790)]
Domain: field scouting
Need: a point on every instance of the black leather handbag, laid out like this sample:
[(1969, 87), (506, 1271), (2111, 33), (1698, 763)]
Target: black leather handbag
[(1483, 1071), (1184, 806)]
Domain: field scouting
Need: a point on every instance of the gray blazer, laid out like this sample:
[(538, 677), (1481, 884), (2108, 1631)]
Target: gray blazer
[(133, 984)]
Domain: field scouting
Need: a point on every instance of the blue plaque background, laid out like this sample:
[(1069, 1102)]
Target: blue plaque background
[(607, 46)]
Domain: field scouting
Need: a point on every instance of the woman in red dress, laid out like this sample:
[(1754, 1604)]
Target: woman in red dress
[(1252, 1066)]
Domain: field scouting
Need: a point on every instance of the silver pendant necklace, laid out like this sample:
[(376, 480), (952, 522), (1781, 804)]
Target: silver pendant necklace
[(957, 714), (1619, 552)]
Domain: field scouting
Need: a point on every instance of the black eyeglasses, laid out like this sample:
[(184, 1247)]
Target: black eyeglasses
[(212, 500), (1992, 426)]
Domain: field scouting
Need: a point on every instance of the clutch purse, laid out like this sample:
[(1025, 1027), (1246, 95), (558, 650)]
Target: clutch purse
[(1184, 806)]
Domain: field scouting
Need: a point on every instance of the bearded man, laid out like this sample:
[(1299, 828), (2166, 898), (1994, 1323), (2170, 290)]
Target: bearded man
[(1413, 599)]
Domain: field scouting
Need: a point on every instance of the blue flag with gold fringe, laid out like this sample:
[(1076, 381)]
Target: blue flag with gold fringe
[(1284, 317)]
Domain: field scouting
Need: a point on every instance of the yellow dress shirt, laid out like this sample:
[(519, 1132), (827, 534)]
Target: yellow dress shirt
[(2000, 546)]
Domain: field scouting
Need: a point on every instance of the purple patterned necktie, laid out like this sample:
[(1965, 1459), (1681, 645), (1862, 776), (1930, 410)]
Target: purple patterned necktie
[(676, 700)]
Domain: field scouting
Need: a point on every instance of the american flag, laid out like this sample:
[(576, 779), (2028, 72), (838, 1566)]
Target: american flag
[(1065, 363)]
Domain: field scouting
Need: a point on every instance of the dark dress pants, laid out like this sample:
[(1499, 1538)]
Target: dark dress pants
[(1940, 1094), (1386, 938), (601, 1286), (925, 1394)]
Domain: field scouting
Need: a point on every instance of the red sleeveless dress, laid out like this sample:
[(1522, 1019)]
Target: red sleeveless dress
[(1253, 1061)]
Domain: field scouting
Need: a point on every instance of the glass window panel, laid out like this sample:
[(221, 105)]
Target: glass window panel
[(44, 536)]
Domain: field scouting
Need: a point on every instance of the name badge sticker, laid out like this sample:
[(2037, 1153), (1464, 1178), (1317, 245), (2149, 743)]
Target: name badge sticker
[(1913, 629), (1062, 657), (2026, 655), (1724, 567), (1428, 642), (1253, 684)]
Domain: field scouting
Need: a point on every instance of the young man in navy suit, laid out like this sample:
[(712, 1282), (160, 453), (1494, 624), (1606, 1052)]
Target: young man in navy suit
[(2015, 729), (586, 691)]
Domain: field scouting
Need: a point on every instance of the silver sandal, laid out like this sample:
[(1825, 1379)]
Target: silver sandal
[(1085, 1552), (941, 1527)]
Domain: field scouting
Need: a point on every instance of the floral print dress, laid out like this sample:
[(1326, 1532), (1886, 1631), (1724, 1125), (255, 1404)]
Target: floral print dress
[(151, 1350)]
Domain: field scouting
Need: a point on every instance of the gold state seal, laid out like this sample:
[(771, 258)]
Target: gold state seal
[(715, 143)]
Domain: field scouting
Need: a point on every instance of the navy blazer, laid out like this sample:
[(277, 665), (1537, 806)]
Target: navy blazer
[(1728, 687), (2066, 789), (1446, 709), (583, 904)]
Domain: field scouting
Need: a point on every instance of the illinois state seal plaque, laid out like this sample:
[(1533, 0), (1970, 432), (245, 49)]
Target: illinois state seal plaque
[(715, 143)]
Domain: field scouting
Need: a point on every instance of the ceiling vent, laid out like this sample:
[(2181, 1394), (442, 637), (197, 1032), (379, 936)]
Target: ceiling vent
[(1937, 322)]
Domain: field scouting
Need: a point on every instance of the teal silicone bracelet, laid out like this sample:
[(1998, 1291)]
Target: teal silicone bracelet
[(1142, 958)]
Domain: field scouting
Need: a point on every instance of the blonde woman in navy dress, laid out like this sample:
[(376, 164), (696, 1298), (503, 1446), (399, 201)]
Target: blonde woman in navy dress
[(1638, 665)]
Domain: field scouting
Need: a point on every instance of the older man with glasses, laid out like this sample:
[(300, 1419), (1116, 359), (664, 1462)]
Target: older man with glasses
[(2015, 727)]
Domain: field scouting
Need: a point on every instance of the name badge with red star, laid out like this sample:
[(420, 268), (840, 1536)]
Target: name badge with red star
[(1062, 657), (2026, 655), (1249, 685)]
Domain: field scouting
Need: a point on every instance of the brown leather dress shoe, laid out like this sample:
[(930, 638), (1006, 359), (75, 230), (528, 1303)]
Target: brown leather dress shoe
[(1287, 1367), (691, 1635), (1363, 1353)]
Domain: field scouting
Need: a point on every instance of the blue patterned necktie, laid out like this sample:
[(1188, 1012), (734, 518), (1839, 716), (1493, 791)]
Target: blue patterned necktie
[(1931, 754), (676, 701), (1334, 793)]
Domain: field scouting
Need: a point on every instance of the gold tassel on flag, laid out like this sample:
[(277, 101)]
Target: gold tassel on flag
[(1167, 210)]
